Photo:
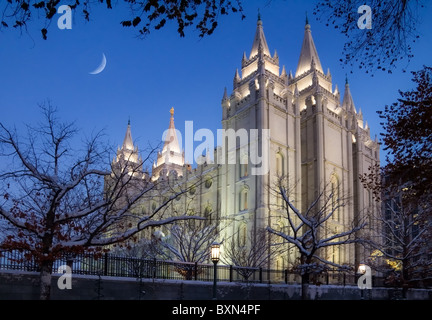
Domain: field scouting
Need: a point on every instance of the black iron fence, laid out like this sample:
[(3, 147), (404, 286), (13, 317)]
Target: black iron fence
[(117, 266)]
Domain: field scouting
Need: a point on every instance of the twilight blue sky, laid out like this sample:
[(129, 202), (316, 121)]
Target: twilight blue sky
[(143, 79)]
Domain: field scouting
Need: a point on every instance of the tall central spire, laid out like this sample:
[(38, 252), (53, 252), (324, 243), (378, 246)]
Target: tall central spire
[(128, 142), (259, 40), (308, 53), (171, 158), (171, 140)]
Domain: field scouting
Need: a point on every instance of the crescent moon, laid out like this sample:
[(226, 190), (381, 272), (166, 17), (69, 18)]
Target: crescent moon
[(101, 66)]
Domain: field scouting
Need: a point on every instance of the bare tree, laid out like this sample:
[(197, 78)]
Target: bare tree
[(404, 242), (189, 241), (308, 231), (388, 42), (54, 201), (251, 251)]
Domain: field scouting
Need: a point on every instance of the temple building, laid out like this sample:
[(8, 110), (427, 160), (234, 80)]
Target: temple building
[(314, 137)]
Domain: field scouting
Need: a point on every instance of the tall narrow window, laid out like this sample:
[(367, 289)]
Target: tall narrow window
[(242, 235), (335, 200), (243, 200), (280, 170), (244, 167)]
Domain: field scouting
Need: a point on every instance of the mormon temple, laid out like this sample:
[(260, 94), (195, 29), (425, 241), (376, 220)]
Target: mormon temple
[(315, 138)]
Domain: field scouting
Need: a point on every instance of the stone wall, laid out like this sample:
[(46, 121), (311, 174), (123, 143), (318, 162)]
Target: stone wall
[(16, 285)]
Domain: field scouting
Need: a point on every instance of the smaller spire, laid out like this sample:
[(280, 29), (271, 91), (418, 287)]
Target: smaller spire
[(225, 95), (284, 73), (237, 76), (296, 91)]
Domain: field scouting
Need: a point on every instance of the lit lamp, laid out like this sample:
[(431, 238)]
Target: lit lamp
[(215, 255), (361, 270)]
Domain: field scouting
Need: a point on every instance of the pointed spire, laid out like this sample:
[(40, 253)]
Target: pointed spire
[(128, 142), (237, 78), (225, 95), (284, 73), (348, 102), (259, 40), (296, 91), (244, 59), (172, 118), (171, 141), (308, 54)]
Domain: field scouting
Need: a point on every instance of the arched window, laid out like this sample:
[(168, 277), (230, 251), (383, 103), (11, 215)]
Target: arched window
[(243, 166), (280, 168), (208, 210), (242, 235), (243, 200), (335, 194), (208, 183)]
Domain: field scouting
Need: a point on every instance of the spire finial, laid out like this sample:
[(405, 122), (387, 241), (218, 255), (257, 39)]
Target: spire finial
[(307, 19), (172, 112), (346, 79), (259, 15), (129, 121)]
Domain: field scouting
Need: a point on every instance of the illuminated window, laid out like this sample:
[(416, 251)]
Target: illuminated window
[(208, 183), (242, 235), (335, 194), (243, 167), (280, 170), (243, 200)]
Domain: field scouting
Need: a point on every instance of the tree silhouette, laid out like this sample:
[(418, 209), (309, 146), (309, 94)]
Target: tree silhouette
[(390, 40), (143, 15), (54, 199)]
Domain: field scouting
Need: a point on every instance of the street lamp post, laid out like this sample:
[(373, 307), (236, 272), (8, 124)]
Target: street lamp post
[(215, 255)]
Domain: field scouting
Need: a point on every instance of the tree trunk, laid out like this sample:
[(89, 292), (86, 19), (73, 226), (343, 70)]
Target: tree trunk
[(405, 278), (45, 280), (305, 286)]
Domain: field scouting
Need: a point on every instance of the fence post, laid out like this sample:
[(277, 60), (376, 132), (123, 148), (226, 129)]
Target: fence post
[(260, 274), (196, 271), (231, 273), (327, 278), (154, 268), (286, 276), (106, 264)]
